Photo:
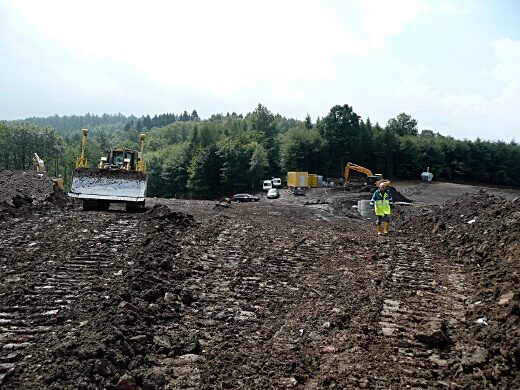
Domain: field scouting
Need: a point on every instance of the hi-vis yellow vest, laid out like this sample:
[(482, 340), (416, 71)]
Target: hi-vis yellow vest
[(382, 203)]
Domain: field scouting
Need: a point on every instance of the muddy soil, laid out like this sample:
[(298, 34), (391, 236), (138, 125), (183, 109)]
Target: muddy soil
[(275, 294), (20, 188)]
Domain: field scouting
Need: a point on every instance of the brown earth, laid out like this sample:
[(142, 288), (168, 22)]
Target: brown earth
[(284, 293)]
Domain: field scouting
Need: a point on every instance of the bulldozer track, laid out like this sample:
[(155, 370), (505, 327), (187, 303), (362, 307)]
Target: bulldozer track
[(94, 257), (426, 290), (238, 285)]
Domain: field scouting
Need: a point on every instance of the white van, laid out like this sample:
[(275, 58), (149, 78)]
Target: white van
[(277, 182), (267, 185)]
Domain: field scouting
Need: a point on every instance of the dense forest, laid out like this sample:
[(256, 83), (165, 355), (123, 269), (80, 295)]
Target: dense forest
[(228, 153)]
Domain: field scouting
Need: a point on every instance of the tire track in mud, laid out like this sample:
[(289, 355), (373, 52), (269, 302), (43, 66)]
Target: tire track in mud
[(89, 258), (244, 286), (425, 293)]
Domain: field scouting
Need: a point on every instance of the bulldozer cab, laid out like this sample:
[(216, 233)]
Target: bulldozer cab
[(119, 158)]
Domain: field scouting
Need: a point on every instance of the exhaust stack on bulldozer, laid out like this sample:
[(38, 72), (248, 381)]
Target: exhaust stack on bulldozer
[(120, 177)]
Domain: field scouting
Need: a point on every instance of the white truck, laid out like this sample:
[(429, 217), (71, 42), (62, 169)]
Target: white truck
[(267, 185)]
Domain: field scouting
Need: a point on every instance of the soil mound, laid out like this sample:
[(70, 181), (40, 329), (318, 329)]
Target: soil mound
[(481, 232), (398, 196), (342, 206), (163, 213), (117, 344), (19, 188), (476, 227), (58, 197)]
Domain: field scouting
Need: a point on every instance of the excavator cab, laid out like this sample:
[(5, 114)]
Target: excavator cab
[(373, 180)]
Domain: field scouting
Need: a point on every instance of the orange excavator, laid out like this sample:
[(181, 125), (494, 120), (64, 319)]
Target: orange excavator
[(372, 180)]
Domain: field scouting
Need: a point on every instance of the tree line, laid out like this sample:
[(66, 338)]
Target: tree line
[(229, 153)]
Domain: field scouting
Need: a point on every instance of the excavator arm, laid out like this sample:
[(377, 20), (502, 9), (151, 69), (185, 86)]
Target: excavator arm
[(358, 168), (373, 180)]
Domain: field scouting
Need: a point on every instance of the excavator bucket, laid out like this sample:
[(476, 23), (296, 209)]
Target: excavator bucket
[(108, 185)]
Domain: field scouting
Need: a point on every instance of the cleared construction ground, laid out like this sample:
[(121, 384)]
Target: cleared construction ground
[(284, 293)]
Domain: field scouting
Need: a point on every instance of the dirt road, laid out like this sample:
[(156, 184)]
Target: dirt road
[(276, 294)]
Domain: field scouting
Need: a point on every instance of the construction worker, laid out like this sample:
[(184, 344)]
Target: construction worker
[(382, 204)]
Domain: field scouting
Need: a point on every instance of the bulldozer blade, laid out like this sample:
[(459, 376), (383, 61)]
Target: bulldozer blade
[(116, 185)]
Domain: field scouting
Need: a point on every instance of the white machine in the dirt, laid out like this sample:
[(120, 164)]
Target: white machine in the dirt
[(427, 176), (39, 167), (119, 178), (38, 164)]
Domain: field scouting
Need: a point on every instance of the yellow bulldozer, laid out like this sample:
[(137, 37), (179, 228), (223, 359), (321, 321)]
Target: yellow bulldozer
[(120, 177)]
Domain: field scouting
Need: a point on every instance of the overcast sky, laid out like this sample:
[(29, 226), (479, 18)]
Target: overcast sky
[(452, 65)]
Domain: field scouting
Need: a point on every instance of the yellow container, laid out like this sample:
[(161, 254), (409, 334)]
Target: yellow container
[(297, 179), (313, 180)]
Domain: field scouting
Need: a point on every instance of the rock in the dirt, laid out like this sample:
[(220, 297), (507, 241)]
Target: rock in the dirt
[(328, 349), (162, 341), (126, 383), (128, 306), (101, 367), (289, 382), (170, 298), (19, 201), (506, 298), (474, 357), (187, 298), (438, 227), (12, 357), (434, 334), (192, 347), (221, 206), (189, 358)]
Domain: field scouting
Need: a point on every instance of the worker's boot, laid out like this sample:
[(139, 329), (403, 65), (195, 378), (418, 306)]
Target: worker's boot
[(385, 228), (379, 230)]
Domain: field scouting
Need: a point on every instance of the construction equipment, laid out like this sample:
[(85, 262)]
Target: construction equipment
[(297, 179), (39, 167), (120, 177), (427, 176), (38, 164), (372, 180)]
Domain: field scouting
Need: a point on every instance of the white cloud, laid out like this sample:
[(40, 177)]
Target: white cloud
[(489, 116), (386, 18), (217, 46), (507, 70), (461, 7), (296, 57)]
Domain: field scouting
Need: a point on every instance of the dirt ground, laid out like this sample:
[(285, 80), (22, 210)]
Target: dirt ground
[(283, 293)]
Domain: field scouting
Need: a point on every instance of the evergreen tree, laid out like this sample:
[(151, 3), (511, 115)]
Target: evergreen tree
[(258, 165), (147, 122), (194, 116), (308, 122)]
